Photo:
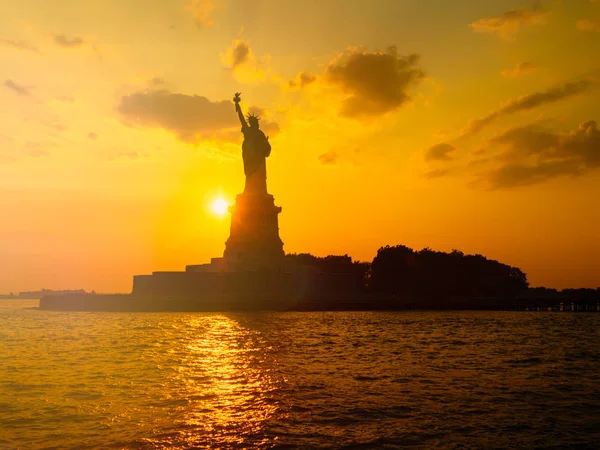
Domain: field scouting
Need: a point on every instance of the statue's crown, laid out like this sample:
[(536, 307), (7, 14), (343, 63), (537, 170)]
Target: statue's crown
[(251, 116)]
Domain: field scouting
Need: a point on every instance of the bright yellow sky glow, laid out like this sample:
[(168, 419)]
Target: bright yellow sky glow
[(460, 124)]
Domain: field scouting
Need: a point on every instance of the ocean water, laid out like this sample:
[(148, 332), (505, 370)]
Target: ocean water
[(298, 380)]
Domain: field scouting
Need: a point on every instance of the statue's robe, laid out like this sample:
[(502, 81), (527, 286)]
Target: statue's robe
[(255, 149)]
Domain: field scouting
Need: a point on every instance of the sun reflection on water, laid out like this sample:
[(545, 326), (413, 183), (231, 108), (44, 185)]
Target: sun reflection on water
[(227, 375)]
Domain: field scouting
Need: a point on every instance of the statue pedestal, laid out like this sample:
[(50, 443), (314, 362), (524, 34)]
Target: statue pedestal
[(254, 241)]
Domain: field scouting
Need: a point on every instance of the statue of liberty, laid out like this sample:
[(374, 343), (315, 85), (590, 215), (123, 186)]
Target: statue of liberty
[(255, 149)]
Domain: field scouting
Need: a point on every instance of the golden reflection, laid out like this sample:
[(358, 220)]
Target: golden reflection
[(226, 374)]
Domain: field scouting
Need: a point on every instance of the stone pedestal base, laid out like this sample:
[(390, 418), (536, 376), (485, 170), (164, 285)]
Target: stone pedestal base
[(254, 241)]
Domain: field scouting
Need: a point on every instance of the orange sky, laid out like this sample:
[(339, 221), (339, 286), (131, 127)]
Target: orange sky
[(463, 124)]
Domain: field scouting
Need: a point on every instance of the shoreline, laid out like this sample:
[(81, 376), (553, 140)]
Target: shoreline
[(359, 302)]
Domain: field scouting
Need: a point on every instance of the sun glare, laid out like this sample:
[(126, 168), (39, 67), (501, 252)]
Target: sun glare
[(219, 206)]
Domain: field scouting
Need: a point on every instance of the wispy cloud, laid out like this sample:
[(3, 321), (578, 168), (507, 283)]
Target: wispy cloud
[(508, 24), (440, 152), (19, 45), (528, 102), (531, 155), (16, 87), (68, 42)]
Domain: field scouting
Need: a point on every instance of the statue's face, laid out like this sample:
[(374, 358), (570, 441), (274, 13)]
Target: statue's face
[(253, 123)]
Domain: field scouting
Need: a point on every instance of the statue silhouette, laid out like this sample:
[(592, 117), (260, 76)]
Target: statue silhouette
[(255, 149)]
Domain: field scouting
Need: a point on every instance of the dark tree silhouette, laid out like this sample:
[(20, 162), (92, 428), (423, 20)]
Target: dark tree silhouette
[(429, 274)]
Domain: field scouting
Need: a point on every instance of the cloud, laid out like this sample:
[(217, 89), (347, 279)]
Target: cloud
[(303, 79), (375, 83), (522, 68), (202, 11), (190, 117), (440, 152), (532, 155), (437, 173), (245, 67), (588, 25), (518, 175), (237, 54), (92, 136), (19, 45), (510, 23), (269, 127), (68, 42), (528, 140), (329, 157), (19, 89), (528, 102)]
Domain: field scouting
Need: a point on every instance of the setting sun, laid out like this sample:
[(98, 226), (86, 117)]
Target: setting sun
[(219, 206)]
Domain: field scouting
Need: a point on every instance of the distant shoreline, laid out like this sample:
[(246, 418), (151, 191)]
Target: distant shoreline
[(364, 302)]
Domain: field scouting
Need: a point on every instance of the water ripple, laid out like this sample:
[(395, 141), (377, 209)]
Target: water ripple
[(289, 380)]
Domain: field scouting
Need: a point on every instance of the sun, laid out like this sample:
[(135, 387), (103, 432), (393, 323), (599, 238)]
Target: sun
[(219, 206)]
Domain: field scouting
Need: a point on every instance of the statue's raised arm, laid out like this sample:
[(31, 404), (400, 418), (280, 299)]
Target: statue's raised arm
[(236, 100)]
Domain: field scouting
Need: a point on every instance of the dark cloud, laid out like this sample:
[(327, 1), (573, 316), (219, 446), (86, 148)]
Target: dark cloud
[(19, 45), (508, 24), (518, 175), (245, 67), (239, 53), (190, 117), (520, 69), (531, 155), (440, 152), (377, 83), (528, 102), (303, 79), (330, 157), (68, 42), (19, 89), (529, 140)]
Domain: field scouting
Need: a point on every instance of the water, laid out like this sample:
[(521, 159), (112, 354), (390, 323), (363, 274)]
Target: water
[(287, 380)]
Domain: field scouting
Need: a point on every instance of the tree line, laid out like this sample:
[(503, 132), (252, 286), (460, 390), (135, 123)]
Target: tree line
[(399, 277)]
